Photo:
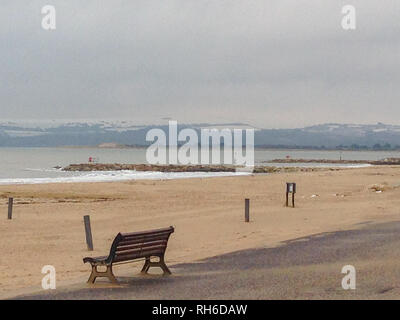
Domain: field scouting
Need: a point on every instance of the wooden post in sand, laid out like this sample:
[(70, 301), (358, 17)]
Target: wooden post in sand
[(246, 210), (10, 207), (88, 231)]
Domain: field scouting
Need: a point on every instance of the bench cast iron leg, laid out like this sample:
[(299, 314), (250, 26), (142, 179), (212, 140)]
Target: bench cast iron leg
[(146, 266), (160, 264), (164, 266), (93, 276), (108, 273)]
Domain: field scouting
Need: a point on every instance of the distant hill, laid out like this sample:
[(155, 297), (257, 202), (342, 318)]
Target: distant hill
[(111, 133), (334, 136)]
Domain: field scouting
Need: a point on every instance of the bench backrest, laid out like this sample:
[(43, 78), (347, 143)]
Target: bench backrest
[(130, 246)]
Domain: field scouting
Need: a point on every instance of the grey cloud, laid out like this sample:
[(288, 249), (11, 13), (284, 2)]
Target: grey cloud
[(270, 63)]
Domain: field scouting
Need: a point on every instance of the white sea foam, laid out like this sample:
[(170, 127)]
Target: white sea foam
[(123, 175), (361, 165), (43, 169), (343, 166)]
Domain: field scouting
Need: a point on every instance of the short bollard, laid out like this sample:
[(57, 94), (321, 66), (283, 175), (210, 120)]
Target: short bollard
[(10, 207), (88, 231), (246, 210)]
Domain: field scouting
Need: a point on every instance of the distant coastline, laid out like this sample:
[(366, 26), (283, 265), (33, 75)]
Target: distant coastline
[(123, 134), (256, 147)]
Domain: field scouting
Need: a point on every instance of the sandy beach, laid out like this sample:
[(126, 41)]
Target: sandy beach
[(207, 213)]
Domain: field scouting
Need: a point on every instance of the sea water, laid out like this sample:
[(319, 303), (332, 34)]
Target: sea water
[(38, 165)]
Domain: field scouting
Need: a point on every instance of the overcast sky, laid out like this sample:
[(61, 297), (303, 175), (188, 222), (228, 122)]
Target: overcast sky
[(271, 63)]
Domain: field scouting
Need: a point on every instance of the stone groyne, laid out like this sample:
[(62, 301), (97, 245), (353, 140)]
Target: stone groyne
[(183, 168), (387, 161)]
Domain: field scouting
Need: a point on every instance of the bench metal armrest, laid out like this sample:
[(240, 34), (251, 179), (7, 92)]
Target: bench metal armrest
[(96, 260)]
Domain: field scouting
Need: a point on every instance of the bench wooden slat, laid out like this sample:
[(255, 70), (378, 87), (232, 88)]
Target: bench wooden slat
[(145, 236), (140, 250), (146, 232), (138, 241), (141, 245), (137, 255)]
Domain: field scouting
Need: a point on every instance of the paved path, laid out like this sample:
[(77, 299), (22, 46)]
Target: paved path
[(307, 268)]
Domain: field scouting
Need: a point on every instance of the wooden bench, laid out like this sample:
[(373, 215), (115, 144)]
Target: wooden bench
[(128, 247)]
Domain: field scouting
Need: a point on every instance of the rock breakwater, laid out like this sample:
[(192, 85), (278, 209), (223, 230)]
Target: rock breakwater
[(387, 161), (183, 168)]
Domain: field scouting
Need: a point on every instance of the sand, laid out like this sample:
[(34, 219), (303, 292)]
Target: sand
[(208, 214)]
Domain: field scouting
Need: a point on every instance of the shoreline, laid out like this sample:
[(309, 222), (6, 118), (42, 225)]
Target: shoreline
[(119, 173), (120, 176)]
